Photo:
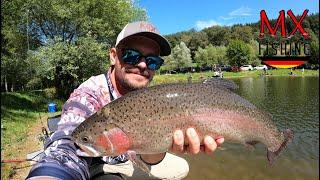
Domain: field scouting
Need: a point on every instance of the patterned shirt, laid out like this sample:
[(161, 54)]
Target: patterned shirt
[(87, 99)]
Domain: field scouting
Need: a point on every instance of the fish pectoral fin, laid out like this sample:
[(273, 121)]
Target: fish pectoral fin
[(250, 145), (136, 160)]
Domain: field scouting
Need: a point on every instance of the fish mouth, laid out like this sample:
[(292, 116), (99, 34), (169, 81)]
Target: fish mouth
[(90, 151)]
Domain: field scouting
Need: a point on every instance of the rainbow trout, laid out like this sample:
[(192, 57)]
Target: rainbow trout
[(144, 120)]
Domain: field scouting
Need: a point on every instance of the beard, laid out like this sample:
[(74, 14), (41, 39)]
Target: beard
[(130, 84)]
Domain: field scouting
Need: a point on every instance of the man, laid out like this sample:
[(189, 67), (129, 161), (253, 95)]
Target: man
[(134, 60)]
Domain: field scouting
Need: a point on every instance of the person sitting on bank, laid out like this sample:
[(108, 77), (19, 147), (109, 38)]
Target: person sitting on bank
[(134, 60)]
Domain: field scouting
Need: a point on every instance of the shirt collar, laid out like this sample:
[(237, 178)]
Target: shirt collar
[(114, 94)]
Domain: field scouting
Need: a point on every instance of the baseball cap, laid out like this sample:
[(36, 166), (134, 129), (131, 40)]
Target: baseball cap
[(146, 29)]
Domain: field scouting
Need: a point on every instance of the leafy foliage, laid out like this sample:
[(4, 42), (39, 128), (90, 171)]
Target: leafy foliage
[(239, 53), (179, 58), (65, 65), (211, 55), (59, 43)]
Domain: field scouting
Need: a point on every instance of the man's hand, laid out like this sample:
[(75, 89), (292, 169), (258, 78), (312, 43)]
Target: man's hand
[(209, 144)]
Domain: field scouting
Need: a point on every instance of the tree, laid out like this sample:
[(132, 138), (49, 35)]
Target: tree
[(176, 38), (69, 20), (199, 39), (201, 57), (254, 45), (65, 65), (169, 64), (314, 49), (15, 69), (244, 33), (179, 58), (182, 55), (239, 53), (69, 30), (217, 35), (211, 56)]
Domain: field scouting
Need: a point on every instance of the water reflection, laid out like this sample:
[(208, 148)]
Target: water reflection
[(293, 103)]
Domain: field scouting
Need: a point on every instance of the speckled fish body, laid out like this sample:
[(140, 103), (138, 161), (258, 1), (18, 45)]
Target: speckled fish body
[(144, 120)]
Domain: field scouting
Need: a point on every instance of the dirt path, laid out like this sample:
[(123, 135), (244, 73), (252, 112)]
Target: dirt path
[(32, 143)]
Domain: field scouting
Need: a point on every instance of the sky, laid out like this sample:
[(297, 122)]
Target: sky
[(171, 16)]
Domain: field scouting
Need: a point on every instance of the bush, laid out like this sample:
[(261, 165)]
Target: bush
[(50, 93), (34, 83)]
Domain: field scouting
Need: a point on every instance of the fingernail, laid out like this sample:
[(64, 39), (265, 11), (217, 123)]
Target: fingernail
[(209, 140), (178, 135), (220, 140), (192, 132)]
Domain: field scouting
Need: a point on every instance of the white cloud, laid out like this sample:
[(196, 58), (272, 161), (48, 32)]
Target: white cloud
[(226, 18), (204, 24), (242, 11)]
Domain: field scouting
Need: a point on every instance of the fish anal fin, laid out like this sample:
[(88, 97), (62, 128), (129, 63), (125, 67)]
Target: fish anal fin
[(251, 144), (134, 158)]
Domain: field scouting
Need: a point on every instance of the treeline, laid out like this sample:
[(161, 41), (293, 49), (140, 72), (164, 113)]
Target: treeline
[(235, 45), (57, 43)]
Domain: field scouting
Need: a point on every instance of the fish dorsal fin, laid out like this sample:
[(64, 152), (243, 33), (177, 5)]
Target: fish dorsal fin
[(219, 82)]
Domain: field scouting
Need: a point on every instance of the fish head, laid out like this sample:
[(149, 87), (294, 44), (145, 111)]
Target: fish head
[(109, 141)]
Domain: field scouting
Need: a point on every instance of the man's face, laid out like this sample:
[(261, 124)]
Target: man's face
[(131, 77)]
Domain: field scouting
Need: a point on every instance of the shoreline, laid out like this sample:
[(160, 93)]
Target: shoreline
[(198, 76)]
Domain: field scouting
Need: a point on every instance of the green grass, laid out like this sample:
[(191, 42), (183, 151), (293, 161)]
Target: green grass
[(19, 112), (172, 78)]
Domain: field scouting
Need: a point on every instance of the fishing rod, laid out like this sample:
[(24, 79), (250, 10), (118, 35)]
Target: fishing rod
[(17, 160), (45, 133), (21, 160)]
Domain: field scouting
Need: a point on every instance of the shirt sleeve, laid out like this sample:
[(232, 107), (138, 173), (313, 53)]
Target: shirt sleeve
[(62, 158)]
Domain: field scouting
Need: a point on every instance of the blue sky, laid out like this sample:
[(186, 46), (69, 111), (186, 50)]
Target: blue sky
[(172, 16)]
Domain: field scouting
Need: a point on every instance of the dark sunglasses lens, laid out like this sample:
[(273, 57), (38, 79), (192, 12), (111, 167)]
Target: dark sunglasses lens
[(131, 57), (154, 62)]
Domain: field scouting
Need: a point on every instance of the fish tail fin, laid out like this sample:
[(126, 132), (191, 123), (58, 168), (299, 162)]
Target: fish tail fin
[(272, 156)]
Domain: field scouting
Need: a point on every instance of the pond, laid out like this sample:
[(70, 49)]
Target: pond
[(293, 103)]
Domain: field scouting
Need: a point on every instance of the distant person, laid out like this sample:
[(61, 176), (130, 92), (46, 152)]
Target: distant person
[(202, 78), (190, 79), (265, 71), (134, 60), (220, 72)]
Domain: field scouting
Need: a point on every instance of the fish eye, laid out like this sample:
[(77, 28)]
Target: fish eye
[(85, 139)]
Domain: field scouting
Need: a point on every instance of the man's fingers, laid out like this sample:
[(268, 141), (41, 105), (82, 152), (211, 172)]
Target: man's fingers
[(178, 141), (209, 144), (219, 141), (194, 141)]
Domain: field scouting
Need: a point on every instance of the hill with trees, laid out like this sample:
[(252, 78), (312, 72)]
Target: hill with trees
[(239, 44)]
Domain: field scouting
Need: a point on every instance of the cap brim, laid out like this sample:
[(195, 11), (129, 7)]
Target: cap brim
[(163, 43)]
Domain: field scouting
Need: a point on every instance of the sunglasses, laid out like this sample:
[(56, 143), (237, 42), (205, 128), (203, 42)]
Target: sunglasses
[(133, 57)]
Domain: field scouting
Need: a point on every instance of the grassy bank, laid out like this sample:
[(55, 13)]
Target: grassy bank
[(19, 114), (166, 78)]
